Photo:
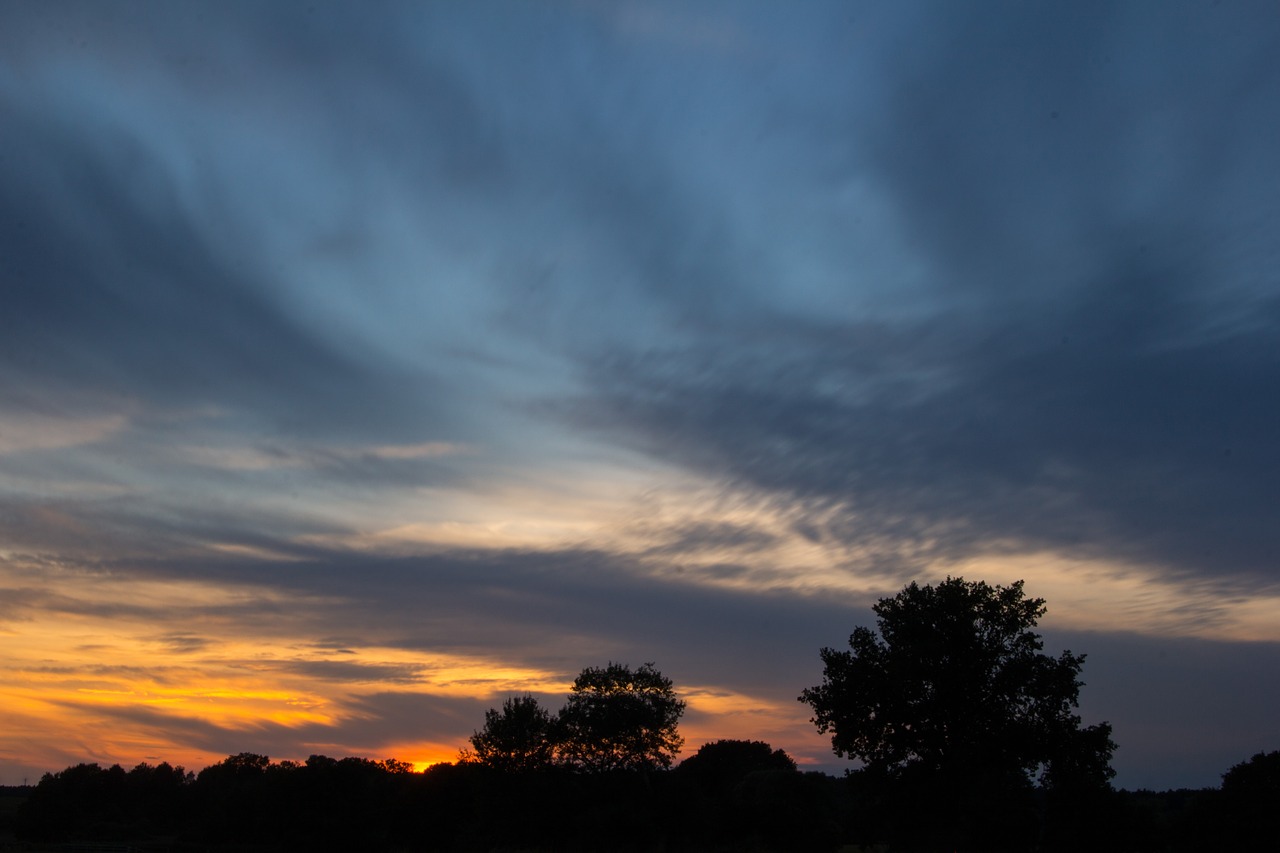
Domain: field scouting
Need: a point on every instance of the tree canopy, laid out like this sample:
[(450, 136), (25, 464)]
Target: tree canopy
[(723, 763), (731, 795), (1251, 793), (519, 737), (954, 679), (617, 718), (955, 710)]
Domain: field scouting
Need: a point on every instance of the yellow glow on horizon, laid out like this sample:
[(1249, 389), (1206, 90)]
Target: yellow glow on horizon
[(119, 672), (424, 754)]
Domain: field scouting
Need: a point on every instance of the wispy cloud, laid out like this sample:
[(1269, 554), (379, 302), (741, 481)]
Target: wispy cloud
[(26, 431)]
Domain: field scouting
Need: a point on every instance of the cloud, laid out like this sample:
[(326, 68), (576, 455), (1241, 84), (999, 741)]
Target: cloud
[(153, 310), (1087, 367), (169, 292), (350, 672), (27, 432), (1029, 436), (697, 537), (184, 643)]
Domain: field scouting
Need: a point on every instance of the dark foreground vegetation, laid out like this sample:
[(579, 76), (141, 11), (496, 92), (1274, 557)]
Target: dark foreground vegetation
[(731, 796), (966, 731)]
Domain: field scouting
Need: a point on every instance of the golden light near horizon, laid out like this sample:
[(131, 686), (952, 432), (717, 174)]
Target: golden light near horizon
[(115, 667), (109, 677)]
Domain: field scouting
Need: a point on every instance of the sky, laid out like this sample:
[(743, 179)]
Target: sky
[(363, 365)]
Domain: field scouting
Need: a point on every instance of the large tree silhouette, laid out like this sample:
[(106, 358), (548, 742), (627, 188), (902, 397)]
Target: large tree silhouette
[(954, 701)]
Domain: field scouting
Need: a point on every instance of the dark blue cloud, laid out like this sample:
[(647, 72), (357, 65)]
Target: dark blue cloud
[(1089, 369), (1082, 428), (112, 283)]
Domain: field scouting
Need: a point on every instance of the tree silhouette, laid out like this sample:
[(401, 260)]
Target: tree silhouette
[(721, 764), (90, 802), (1251, 798), (518, 737), (954, 701), (620, 719)]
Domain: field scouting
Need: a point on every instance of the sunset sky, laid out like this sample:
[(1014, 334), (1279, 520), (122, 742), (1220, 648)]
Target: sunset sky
[(364, 364)]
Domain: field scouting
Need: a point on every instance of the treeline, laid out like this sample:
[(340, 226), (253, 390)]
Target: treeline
[(734, 795), (730, 795), (966, 730)]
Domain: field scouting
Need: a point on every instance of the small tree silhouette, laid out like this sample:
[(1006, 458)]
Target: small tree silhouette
[(721, 764), (518, 737), (620, 719)]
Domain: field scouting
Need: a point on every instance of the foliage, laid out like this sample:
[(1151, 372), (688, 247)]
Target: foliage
[(956, 678), (746, 795), (92, 802), (342, 804), (1256, 779), (721, 764), (519, 737), (954, 706), (1251, 798), (617, 718)]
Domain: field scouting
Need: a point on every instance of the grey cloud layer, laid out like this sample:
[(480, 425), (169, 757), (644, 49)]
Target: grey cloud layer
[(555, 609), (1094, 368), (1044, 431), (122, 293)]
